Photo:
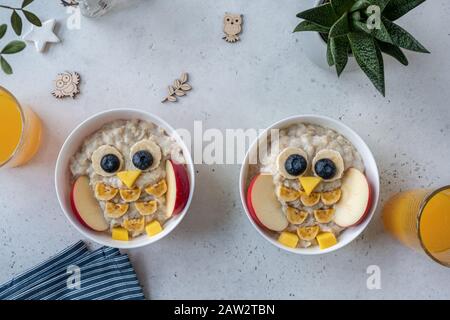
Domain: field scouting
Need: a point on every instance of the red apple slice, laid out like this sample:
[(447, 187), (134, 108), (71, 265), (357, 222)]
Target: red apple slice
[(263, 205), (85, 207), (177, 188), (355, 202)]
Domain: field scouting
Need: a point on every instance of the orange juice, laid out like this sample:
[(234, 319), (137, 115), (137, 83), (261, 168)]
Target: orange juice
[(20, 131), (420, 219)]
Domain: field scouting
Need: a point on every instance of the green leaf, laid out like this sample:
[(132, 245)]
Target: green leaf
[(382, 34), (16, 22), (26, 3), (6, 67), (361, 26), (356, 16), (329, 55), (380, 3), (311, 26), (341, 6), (341, 27), (13, 47), (359, 5), (3, 29), (398, 8), (393, 51), (369, 58), (32, 18), (323, 15), (339, 51), (402, 38)]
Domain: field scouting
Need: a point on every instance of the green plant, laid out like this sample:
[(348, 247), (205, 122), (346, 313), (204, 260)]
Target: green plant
[(11, 48), (16, 20), (364, 29), (17, 24)]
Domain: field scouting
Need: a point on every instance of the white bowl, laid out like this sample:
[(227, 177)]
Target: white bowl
[(63, 175), (371, 173)]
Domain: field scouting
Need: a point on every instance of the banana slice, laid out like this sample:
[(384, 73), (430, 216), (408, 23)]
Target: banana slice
[(146, 146), (308, 233), (107, 161), (146, 208), (158, 189), (324, 215), (130, 195), (328, 164), (287, 194), (311, 200), (115, 210), (134, 225), (104, 192), (331, 197), (296, 216), (292, 162)]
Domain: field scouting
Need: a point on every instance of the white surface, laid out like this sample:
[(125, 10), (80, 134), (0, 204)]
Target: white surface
[(127, 58), (41, 36), (371, 173), (63, 176)]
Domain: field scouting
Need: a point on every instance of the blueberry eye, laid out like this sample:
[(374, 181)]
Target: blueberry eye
[(292, 162), (325, 168), (110, 163), (295, 164), (142, 160)]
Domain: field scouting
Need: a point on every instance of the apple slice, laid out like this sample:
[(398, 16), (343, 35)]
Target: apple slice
[(177, 188), (263, 205), (355, 202), (85, 207)]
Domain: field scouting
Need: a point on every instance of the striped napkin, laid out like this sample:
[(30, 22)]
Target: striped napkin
[(77, 274)]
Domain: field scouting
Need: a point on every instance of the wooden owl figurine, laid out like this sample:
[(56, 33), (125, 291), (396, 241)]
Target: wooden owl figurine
[(232, 27), (67, 85)]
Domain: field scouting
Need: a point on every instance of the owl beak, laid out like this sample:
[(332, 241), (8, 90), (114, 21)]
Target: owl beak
[(129, 178), (309, 184)]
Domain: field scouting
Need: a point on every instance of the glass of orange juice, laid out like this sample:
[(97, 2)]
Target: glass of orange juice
[(20, 131), (420, 219)]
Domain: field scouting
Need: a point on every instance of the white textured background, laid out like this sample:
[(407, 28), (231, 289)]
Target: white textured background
[(127, 58)]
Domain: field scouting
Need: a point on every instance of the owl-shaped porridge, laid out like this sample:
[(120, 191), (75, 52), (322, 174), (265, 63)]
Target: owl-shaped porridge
[(67, 85), (126, 163), (307, 170), (232, 27)]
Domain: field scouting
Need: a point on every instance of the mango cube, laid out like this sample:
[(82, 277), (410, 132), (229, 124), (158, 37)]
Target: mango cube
[(288, 239), (119, 233), (153, 228), (326, 240)]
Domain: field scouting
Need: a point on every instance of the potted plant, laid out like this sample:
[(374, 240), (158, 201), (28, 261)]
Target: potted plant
[(362, 29)]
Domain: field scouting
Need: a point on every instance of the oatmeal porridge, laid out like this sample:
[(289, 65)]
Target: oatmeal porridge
[(126, 179), (308, 187)]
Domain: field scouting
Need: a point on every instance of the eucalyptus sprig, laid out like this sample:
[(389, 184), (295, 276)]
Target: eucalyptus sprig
[(16, 20), (17, 25), (11, 48), (348, 27)]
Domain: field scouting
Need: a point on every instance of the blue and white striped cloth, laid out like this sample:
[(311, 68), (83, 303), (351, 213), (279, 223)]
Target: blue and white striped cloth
[(103, 274)]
